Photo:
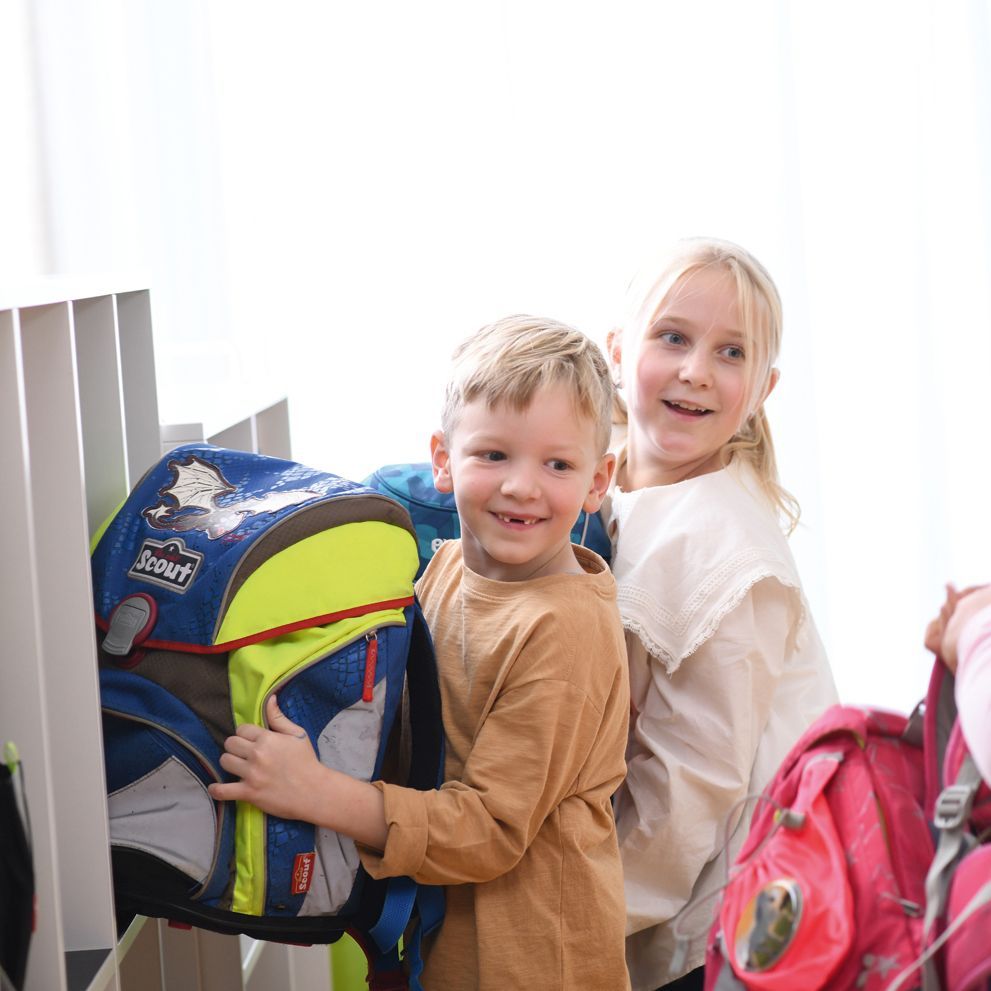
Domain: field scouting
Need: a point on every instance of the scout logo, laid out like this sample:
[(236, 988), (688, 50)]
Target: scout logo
[(191, 500), (302, 872), (167, 563)]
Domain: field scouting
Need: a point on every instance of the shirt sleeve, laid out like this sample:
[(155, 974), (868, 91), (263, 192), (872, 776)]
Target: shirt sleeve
[(529, 755), (691, 753), (973, 689)]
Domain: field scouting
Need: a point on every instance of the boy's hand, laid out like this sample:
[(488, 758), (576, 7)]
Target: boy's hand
[(277, 767)]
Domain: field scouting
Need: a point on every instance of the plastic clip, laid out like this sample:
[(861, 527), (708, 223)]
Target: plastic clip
[(953, 806), (131, 622)]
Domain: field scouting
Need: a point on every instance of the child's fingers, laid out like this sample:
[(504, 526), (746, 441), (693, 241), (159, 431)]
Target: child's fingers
[(229, 791), (279, 722), (934, 633), (233, 764), (239, 746), (249, 731)]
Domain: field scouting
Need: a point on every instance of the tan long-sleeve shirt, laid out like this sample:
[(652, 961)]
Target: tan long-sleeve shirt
[(535, 700)]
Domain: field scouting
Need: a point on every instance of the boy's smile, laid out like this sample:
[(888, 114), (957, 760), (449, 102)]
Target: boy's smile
[(520, 478)]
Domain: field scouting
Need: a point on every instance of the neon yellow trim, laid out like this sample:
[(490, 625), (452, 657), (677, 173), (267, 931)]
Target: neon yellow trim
[(342, 568), (254, 671), (102, 528)]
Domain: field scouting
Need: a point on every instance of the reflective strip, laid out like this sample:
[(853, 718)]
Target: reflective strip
[(169, 814), (348, 743)]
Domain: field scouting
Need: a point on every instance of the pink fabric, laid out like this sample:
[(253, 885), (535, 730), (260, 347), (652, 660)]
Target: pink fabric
[(873, 801), (968, 958), (973, 689)]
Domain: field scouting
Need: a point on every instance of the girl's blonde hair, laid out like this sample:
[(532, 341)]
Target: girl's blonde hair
[(509, 360), (759, 308)]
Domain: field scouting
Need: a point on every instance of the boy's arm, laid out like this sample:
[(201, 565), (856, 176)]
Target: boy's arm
[(549, 735), (281, 775)]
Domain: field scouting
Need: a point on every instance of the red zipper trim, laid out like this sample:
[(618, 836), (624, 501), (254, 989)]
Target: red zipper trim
[(220, 648), (371, 659)]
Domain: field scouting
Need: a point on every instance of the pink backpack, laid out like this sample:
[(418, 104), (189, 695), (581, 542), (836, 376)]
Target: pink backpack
[(958, 881), (830, 889)]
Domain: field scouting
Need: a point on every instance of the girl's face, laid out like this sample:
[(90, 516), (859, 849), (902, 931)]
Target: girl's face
[(686, 382)]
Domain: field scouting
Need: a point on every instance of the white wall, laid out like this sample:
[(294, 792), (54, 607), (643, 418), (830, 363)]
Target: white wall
[(23, 215), (327, 197)]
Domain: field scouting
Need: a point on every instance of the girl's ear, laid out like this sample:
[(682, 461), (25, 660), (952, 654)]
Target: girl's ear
[(440, 461), (601, 478), (771, 383)]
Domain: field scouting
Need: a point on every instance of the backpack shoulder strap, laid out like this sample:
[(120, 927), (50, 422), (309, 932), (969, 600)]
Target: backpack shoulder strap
[(940, 714), (952, 810)]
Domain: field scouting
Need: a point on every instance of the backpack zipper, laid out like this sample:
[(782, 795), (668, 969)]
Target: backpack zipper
[(369, 635), (367, 695), (371, 659)]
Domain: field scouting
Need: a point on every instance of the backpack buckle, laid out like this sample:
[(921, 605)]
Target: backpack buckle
[(131, 622), (953, 806)]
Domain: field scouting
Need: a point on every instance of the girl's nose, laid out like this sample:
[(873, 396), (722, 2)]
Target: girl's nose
[(696, 367)]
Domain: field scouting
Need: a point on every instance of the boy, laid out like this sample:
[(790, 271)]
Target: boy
[(534, 687)]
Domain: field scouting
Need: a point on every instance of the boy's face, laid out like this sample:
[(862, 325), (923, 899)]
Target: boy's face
[(520, 478)]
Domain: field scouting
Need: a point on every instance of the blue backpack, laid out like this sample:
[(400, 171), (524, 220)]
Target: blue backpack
[(226, 577), (435, 516)]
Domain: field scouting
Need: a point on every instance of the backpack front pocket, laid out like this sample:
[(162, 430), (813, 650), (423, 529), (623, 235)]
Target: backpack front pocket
[(159, 761), (787, 915)]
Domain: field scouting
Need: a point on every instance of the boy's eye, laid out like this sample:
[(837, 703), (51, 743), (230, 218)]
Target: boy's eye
[(558, 465), (493, 456)]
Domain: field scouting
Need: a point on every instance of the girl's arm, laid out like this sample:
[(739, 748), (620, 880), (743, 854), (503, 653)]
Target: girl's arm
[(692, 754)]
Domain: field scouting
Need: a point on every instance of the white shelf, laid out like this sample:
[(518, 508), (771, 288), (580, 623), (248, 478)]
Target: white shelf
[(78, 426)]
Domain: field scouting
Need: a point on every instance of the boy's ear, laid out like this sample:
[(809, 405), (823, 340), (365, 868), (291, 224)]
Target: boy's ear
[(440, 461), (600, 483)]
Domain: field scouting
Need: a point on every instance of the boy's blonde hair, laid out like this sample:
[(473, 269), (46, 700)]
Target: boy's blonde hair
[(510, 360), (759, 307)]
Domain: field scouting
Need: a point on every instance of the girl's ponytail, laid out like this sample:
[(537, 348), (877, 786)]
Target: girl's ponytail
[(754, 445), (620, 414)]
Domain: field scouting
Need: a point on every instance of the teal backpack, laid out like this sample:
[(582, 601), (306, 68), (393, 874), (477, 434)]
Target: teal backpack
[(435, 516)]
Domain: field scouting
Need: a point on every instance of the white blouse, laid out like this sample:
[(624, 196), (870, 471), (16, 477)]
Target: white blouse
[(726, 671)]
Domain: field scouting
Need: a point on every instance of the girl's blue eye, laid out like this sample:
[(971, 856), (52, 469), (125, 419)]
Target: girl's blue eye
[(734, 353), (671, 337)]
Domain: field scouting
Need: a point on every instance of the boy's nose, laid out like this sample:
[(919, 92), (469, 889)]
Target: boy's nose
[(521, 483)]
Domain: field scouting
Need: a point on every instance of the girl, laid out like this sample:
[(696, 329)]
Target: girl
[(726, 666)]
